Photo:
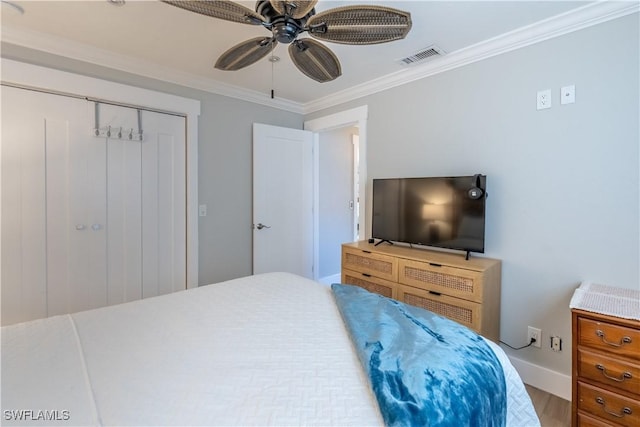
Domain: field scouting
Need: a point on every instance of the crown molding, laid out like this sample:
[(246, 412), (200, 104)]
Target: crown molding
[(574, 20), (86, 53)]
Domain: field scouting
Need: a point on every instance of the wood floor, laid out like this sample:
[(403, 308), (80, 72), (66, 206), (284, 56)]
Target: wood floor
[(552, 410)]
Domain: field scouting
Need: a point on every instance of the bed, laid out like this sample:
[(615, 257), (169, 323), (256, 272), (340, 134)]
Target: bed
[(269, 349)]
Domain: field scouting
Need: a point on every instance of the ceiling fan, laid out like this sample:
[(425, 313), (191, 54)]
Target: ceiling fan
[(286, 20)]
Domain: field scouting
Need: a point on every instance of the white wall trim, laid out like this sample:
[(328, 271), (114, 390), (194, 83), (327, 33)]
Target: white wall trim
[(545, 379), (60, 81), (574, 20), (354, 117)]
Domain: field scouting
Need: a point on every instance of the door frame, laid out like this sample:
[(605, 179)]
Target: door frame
[(354, 117), (62, 82)]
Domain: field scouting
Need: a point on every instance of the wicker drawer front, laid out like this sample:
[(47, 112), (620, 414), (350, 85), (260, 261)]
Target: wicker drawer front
[(608, 406), (462, 311), (370, 283), (378, 265), (614, 339), (455, 282), (614, 372)]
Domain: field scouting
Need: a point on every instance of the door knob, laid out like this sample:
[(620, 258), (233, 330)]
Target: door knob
[(80, 227), (260, 226), (96, 227)]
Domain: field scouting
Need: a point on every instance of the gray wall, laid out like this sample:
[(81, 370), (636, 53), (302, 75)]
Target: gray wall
[(563, 183), (224, 162)]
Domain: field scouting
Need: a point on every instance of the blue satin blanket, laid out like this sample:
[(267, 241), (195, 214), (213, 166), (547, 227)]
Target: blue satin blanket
[(425, 370)]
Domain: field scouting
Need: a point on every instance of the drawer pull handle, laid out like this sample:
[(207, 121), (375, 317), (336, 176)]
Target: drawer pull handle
[(625, 411), (366, 275), (435, 265), (623, 341), (435, 293), (621, 378)]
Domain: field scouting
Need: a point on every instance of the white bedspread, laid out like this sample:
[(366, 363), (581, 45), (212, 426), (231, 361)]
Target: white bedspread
[(262, 350)]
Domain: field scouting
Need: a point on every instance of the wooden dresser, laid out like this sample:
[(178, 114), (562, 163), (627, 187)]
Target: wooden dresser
[(467, 291), (606, 359)]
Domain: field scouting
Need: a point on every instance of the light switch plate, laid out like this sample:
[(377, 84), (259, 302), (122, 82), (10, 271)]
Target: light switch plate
[(568, 94)]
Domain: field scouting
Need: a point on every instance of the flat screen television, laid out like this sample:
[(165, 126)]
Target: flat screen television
[(445, 212)]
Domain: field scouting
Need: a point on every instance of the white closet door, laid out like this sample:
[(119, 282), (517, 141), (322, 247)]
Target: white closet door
[(146, 199), (52, 261), (86, 221), (164, 208), (124, 200)]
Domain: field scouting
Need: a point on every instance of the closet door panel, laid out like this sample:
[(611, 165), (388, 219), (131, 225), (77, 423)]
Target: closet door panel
[(164, 204), (24, 294), (124, 198), (75, 186)]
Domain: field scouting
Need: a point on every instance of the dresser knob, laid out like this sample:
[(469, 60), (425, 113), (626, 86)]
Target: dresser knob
[(625, 411), (623, 341), (622, 377)]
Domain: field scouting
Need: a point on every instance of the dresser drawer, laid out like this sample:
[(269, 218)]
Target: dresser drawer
[(462, 311), (370, 283), (587, 421), (608, 406), (621, 374), (455, 282), (615, 339), (378, 265)]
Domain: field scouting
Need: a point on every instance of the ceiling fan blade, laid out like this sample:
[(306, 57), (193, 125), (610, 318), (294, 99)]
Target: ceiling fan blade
[(315, 60), (297, 9), (227, 10), (360, 24), (245, 53)]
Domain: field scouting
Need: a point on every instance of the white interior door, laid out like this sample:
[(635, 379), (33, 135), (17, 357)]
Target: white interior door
[(282, 200)]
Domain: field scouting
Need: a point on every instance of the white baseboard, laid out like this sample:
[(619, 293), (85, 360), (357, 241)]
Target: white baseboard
[(545, 379)]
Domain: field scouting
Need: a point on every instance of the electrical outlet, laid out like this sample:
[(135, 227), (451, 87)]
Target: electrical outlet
[(543, 99), (536, 334), (556, 343)]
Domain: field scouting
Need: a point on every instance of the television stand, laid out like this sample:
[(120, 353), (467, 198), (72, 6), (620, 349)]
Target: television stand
[(467, 257), (467, 292), (384, 240)]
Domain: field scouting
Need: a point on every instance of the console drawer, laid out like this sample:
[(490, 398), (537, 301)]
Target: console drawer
[(462, 311), (378, 265), (370, 283), (618, 373), (615, 339), (608, 406), (455, 282)]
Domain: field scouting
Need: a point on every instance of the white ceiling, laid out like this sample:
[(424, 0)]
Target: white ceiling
[(162, 41)]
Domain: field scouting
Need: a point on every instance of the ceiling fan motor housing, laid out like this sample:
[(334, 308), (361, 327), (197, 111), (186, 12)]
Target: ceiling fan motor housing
[(285, 29)]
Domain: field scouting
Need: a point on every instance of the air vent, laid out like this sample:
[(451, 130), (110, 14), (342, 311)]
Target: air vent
[(422, 55)]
